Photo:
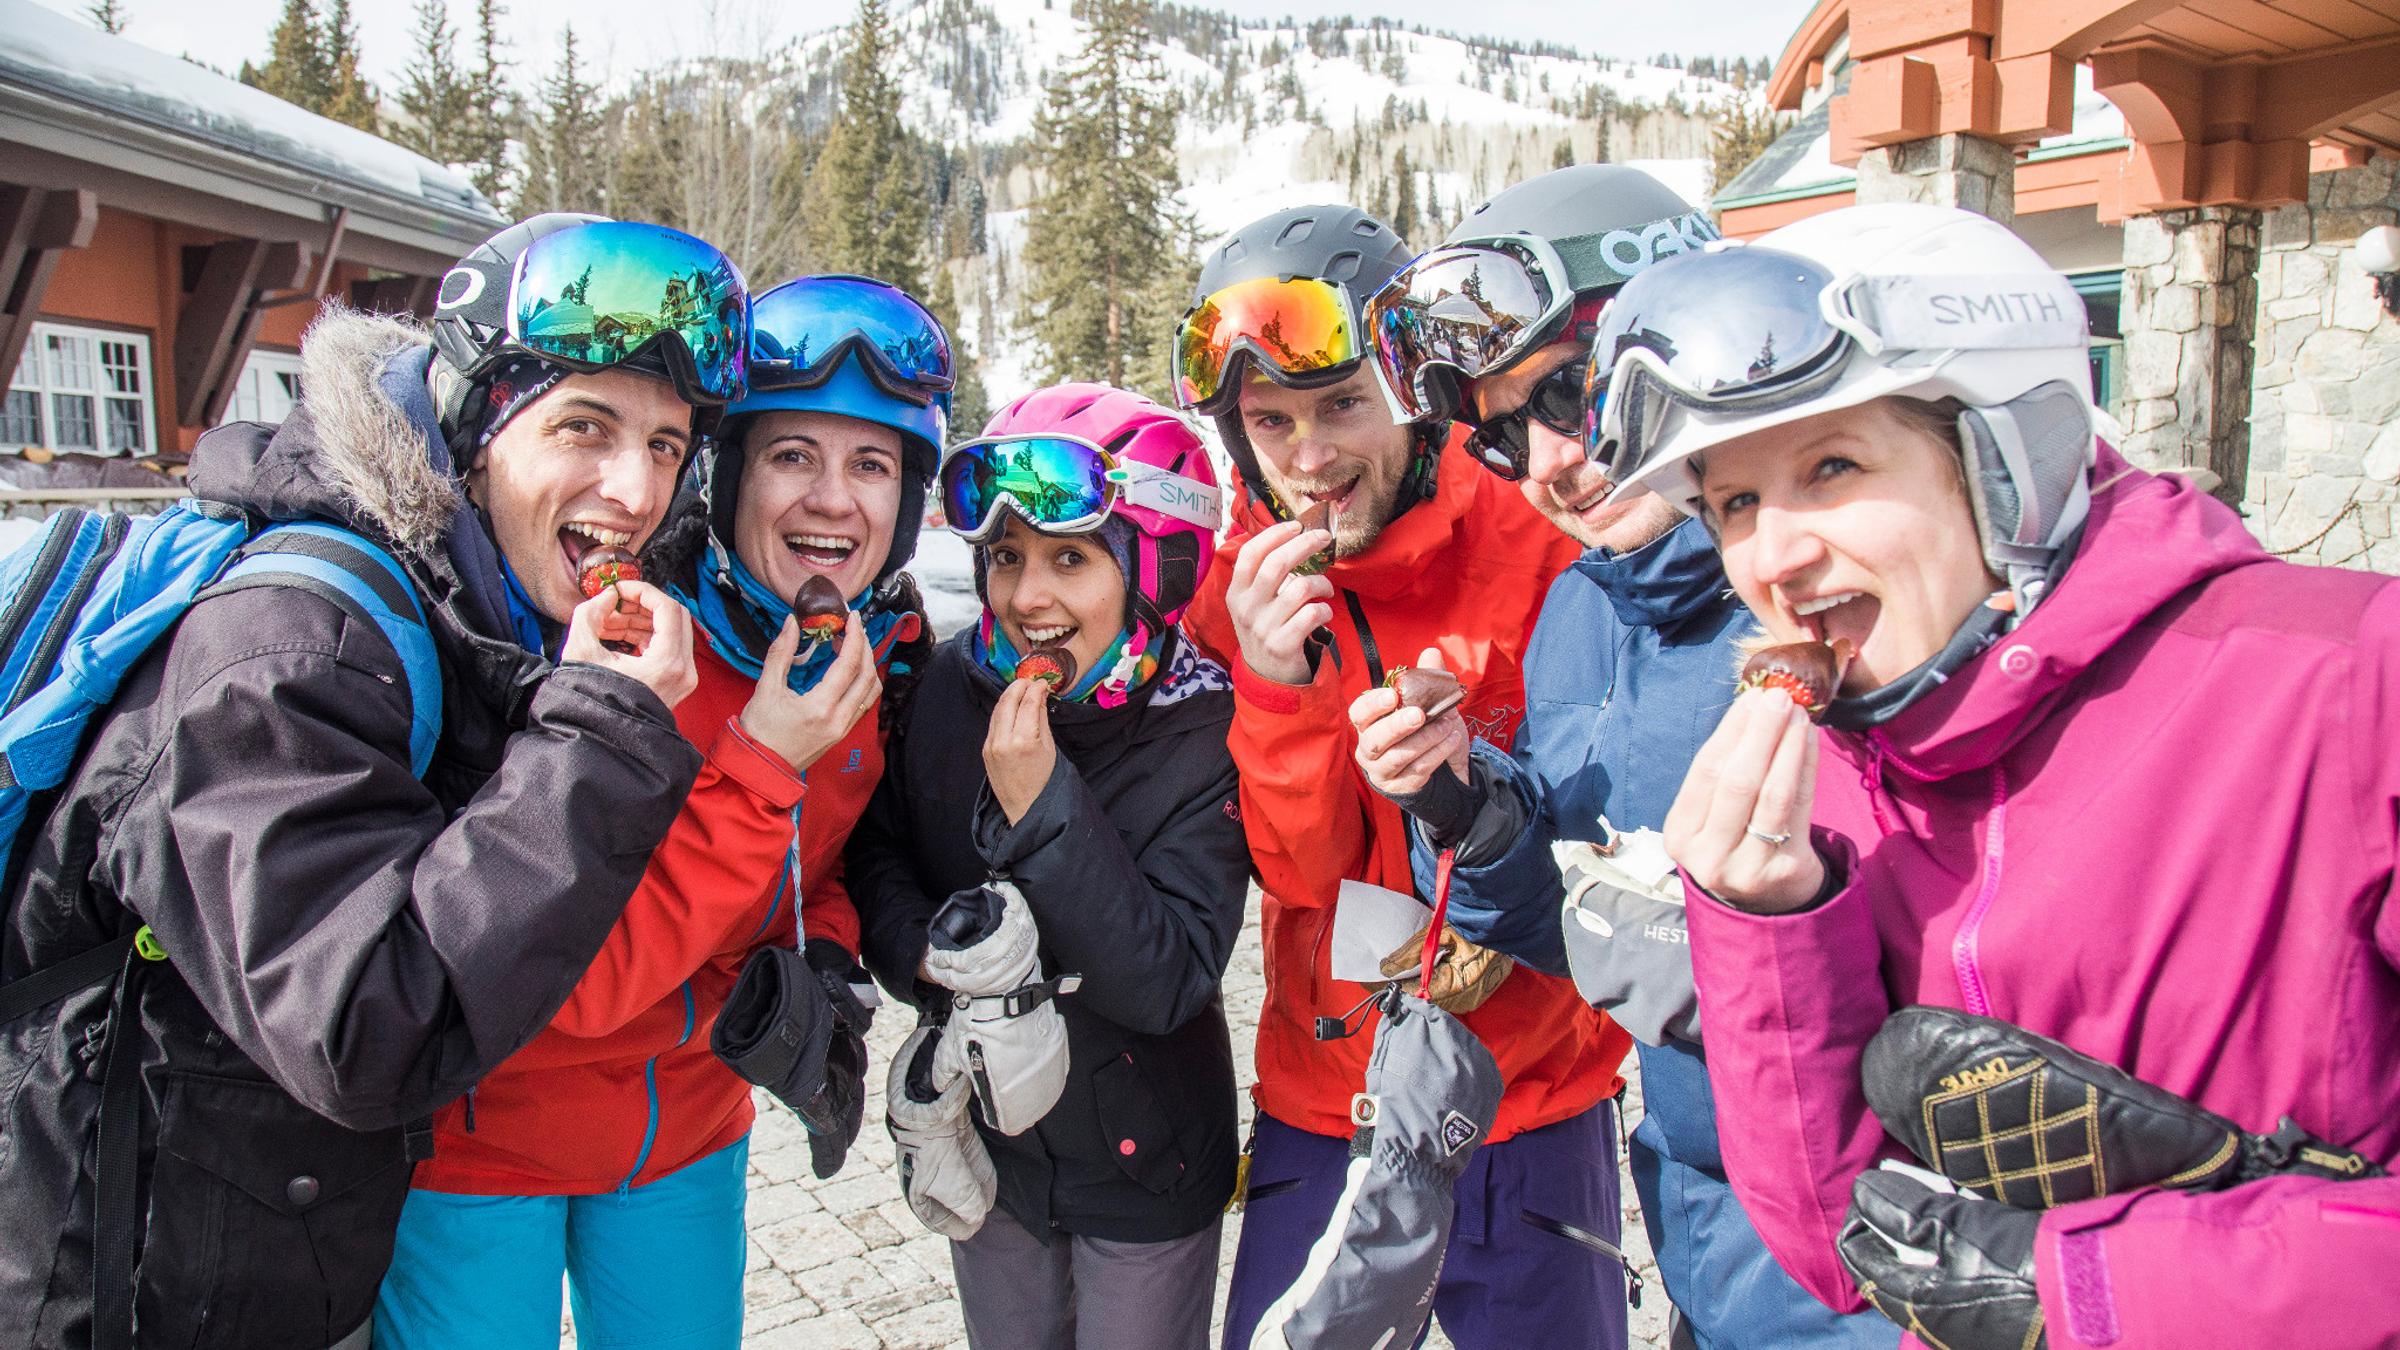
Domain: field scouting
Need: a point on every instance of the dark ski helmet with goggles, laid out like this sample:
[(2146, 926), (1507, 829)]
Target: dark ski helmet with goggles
[(583, 294), (1532, 266), (1284, 296)]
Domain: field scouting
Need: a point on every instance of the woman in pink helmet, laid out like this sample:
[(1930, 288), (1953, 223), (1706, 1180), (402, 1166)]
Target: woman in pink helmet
[(1054, 871)]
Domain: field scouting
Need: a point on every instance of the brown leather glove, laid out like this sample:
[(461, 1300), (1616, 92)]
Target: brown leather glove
[(1464, 975)]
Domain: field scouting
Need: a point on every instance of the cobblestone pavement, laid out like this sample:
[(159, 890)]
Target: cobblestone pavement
[(843, 1265)]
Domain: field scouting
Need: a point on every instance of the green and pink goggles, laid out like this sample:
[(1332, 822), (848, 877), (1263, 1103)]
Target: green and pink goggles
[(1061, 484)]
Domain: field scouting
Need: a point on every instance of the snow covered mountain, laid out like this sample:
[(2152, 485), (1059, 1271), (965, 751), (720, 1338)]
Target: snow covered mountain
[(1282, 113)]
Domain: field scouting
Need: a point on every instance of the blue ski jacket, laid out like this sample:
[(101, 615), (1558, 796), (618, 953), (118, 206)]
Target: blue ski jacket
[(1631, 666)]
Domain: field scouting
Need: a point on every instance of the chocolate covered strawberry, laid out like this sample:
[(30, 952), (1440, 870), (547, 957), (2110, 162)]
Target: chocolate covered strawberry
[(1318, 516), (607, 565), (1429, 691), (821, 610), (1054, 666), (1808, 672)]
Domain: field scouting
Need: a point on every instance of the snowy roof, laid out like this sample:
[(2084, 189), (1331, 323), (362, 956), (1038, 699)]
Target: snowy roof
[(1800, 161), (47, 53)]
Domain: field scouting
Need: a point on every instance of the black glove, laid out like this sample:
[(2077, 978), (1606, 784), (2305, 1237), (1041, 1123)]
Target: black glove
[(793, 1026), (834, 1112), (2021, 1118), (1951, 1270)]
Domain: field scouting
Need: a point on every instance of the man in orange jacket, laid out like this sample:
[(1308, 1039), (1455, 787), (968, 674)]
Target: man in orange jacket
[(1427, 551)]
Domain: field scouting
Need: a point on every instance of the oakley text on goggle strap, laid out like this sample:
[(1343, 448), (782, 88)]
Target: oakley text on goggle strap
[(802, 329), (1061, 485), (599, 294), (1299, 326)]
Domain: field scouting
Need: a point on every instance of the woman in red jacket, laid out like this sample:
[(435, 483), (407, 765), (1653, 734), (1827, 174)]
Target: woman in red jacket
[(613, 1149)]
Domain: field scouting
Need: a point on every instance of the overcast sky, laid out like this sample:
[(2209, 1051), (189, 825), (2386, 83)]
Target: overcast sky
[(621, 36)]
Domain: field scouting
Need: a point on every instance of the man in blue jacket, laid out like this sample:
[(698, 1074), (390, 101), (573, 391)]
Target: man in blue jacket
[(1631, 666)]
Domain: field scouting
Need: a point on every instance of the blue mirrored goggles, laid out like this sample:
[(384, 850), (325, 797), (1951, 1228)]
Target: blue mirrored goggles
[(610, 292), (802, 330)]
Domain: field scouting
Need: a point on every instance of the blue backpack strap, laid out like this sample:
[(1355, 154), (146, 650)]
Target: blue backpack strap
[(364, 580)]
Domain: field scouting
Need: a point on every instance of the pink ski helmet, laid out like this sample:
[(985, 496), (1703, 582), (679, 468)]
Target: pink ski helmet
[(1170, 555)]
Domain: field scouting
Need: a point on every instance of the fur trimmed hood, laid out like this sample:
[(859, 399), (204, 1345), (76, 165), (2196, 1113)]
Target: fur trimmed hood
[(354, 449)]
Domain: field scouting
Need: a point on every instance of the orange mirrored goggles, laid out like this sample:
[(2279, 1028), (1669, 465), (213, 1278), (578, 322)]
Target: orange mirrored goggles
[(1301, 328)]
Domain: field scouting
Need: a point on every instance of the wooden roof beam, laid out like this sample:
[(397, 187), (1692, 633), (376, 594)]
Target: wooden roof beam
[(2308, 96), (37, 226)]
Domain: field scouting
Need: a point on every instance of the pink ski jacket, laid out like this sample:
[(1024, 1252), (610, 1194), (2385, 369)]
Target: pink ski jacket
[(2157, 822)]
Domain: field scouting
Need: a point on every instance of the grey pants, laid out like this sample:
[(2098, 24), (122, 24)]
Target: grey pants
[(1084, 1293)]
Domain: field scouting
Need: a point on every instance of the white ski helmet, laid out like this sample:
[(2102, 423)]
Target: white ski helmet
[(1900, 299)]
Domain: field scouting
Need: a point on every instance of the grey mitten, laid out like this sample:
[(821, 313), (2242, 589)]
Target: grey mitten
[(1006, 1034), (945, 1173)]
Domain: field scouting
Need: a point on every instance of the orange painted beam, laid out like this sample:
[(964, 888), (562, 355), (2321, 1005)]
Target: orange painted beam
[(1802, 66), (1881, 27), (2069, 28), (2158, 92), (2305, 97), (1749, 222)]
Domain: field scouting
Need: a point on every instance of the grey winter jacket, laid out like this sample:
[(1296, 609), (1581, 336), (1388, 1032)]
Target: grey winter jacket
[(347, 947)]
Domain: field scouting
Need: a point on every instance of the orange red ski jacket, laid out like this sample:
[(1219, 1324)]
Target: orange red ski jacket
[(621, 1088), (1465, 572)]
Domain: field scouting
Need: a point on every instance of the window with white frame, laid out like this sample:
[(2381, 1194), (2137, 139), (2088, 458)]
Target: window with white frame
[(80, 390), (268, 387)]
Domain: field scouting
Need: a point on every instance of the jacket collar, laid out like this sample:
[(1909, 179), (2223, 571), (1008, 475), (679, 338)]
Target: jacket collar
[(1665, 581), (2148, 540)]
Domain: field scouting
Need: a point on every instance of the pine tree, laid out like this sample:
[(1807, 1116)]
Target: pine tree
[(347, 97), (1107, 247), (296, 70), (1404, 220), (562, 161), (865, 199), (970, 405), (1742, 132), (491, 106), (107, 15), (434, 91)]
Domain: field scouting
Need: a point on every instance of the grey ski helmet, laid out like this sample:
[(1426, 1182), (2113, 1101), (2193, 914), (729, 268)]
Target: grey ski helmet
[(1338, 244)]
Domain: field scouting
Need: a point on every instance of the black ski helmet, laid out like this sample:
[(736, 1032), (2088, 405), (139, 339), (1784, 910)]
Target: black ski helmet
[(1338, 244), (470, 326)]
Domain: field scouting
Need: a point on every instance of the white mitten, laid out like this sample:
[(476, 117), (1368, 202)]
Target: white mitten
[(1006, 1034), (945, 1174)]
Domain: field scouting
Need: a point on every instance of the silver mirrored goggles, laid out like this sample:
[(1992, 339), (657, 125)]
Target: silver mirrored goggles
[(1742, 330)]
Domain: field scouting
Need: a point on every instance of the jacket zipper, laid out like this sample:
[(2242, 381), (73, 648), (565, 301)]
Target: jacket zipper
[(1964, 954), (691, 1009)]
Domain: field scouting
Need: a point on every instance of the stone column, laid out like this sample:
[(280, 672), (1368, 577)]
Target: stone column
[(2325, 412), (2190, 309), (1953, 169)]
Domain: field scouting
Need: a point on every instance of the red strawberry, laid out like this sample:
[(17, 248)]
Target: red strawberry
[(607, 565), (1432, 692), (1807, 672), (1052, 665), (822, 611)]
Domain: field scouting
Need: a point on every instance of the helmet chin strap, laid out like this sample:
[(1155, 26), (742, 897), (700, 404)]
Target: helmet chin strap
[(1980, 629)]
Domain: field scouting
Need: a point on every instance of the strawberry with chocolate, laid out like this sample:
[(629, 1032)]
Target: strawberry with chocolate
[(1318, 516), (607, 565), (1427, 689), (822, 611), (1054, 666), (1808, 672)]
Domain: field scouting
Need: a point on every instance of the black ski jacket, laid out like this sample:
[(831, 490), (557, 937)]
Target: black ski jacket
[(347, 947), (1133, 861)]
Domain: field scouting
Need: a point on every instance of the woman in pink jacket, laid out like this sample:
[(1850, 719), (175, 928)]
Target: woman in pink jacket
[(2101, 768)]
